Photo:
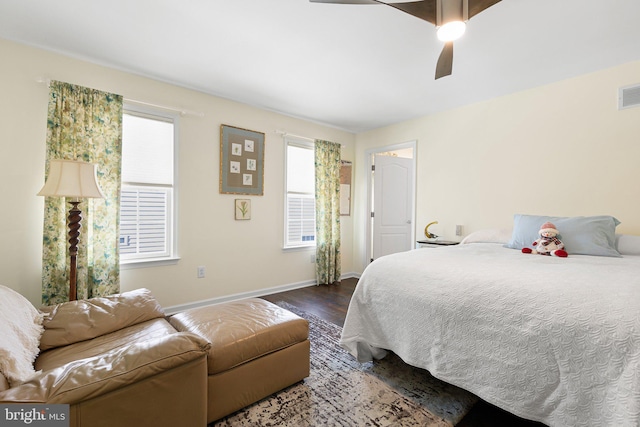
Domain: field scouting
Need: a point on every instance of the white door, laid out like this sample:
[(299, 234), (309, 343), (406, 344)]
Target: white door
[(392, 205)]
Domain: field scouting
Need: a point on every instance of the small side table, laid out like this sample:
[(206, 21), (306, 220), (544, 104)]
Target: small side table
[(434, 243)]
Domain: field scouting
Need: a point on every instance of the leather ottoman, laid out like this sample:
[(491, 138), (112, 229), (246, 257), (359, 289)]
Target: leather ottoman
[(257, 348)]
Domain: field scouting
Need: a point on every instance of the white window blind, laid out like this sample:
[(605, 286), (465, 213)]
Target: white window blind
[(147, 150), (301, 227), (146, 202), (300, 210), (144, 221)]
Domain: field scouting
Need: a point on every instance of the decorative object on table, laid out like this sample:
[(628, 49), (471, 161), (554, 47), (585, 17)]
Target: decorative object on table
[(427, 233), (241, 161), (76, 180), (243, 209), (548, 243)]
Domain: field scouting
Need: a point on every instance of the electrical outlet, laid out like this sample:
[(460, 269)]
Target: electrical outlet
[(459, 230), (312, 258), (201, 272)]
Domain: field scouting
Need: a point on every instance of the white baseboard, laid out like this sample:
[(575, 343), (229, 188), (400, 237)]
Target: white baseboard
[(252, 294)]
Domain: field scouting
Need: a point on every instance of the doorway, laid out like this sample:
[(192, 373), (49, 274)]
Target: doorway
[(391, 187)]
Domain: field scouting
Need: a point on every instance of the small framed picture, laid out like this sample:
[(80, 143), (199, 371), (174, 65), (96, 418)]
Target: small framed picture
[(243, 209)]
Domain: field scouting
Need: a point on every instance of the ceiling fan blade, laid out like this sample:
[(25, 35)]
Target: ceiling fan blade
[(346, 1), (423, 9), (477, 6), (445, 61)]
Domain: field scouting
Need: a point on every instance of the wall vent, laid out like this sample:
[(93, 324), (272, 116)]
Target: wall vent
[(629, 96)]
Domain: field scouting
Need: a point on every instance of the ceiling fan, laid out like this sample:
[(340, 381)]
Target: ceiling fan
[(449, 16)]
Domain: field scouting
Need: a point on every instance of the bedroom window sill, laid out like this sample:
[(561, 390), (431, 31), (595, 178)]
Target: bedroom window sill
[(149, 262), (298, 248)]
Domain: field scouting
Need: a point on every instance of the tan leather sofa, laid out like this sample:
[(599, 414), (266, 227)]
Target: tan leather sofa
[(117, 362)]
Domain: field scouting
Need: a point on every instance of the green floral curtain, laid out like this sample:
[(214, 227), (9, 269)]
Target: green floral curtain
[(327, 164), (83, 124)]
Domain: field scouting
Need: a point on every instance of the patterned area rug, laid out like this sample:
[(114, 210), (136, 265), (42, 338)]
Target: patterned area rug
[(342, 392)]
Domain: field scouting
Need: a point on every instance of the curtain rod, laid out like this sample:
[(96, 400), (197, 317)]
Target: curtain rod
[(285, 133), (181, 111)]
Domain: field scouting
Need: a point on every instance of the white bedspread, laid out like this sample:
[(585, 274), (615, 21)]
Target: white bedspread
[(555, 340)]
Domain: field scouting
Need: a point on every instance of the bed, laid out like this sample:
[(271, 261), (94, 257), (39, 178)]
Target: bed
[(555, 340)]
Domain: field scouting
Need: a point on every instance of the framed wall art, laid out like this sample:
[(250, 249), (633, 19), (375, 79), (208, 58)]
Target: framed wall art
[(243, 209), (241, 161), (345, 188)]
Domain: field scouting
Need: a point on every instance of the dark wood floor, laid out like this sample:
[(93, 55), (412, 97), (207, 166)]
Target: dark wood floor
[(331, 303)]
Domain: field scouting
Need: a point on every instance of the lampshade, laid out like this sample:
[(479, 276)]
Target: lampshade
[(71, 178)]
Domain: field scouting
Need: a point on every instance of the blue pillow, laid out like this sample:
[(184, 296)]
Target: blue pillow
[(581, 235)]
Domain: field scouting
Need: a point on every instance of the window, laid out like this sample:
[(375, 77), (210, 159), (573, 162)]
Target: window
[(300, 209), (147, 195)]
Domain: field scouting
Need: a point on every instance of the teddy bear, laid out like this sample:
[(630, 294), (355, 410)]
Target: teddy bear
[(548, 243)]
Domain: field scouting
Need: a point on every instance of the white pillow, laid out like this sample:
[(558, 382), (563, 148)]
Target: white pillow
[(20, 331), (490, 235), (627, 244)]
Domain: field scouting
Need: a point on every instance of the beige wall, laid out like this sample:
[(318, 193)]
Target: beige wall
[(239, 256), (562, 149)]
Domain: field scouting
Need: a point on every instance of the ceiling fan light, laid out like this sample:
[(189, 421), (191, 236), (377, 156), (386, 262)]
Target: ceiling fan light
[(451, 31)]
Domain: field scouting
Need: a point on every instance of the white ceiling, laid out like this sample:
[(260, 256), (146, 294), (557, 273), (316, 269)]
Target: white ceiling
[(355, 67)]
